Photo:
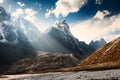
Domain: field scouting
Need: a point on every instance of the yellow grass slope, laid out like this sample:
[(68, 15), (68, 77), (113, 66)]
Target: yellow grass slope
[(107, 57)]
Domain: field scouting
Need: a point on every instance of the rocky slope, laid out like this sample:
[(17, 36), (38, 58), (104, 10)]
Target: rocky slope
[(43, 62)]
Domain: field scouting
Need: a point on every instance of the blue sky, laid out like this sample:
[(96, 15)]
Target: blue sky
[(88, 19)]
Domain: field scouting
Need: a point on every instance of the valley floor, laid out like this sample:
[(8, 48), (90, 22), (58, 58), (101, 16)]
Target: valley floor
[(83, 75)]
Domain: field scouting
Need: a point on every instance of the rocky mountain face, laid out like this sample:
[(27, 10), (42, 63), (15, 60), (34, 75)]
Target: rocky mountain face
[(107, 57), (4, 15), (58, 38), (98, 43), (61, 33), (14, 43)]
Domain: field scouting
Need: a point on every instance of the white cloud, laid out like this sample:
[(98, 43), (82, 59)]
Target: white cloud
[(101, 14), (48, 13), (21, 4), (28, 14), (19, 12), (99, 2), (94, 29), (1, 1), (64, 7)]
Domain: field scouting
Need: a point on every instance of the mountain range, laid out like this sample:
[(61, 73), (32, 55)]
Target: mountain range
[(98, 43), (19, 37)]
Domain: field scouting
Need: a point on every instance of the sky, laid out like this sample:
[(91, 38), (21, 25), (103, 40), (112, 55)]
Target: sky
[(88, 19)]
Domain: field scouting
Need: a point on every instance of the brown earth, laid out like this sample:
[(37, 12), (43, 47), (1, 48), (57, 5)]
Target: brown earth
[(108, 57), (44, 62)]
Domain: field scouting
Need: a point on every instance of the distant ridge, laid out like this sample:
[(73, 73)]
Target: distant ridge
[(98, 43)]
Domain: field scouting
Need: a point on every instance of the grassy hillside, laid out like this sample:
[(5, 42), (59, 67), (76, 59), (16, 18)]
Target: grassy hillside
[(105, 58)]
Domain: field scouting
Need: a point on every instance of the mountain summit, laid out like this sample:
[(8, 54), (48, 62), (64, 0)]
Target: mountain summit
[(63, 26), (21, 33)]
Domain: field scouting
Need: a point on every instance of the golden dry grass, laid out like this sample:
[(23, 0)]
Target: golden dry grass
[(107, 57)]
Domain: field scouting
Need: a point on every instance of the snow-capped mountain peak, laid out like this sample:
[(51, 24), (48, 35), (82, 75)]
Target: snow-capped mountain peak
[(60, 26)]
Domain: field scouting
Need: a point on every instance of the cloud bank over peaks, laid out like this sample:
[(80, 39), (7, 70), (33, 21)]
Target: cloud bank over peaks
[(65, 7), (93, 29)]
